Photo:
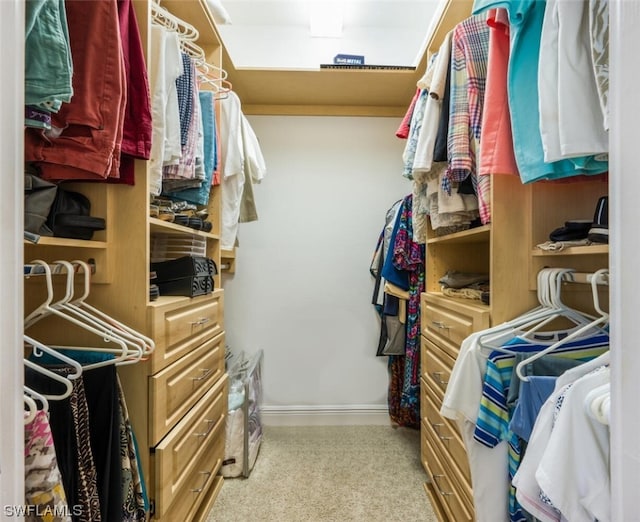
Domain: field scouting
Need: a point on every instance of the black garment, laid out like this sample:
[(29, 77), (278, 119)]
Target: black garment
[(104, 423), (69, 421)]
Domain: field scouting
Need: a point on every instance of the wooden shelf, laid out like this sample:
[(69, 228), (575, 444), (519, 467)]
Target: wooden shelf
[(176, 300), (573, 251), (469, 303), (473, 235), (64, 242), (165, 227)]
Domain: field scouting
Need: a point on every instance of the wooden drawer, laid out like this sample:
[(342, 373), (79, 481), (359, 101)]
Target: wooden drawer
[(436, 367), (451, 500), (206, 505), (174, 390), (451, 321), (190, 456), (177, 330), (446, 431)]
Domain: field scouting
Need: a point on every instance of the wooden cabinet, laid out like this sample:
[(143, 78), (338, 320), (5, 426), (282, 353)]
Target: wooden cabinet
[(177, 398), (445, 322)]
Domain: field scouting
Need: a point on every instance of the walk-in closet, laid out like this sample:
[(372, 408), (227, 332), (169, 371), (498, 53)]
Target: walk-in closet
[(256, 269)]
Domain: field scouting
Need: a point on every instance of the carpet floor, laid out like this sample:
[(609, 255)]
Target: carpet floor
[(330, 474)]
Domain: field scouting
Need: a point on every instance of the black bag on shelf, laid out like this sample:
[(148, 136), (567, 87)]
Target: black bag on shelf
[(39, 196), (185, 266), (69, 216), (188, 276)]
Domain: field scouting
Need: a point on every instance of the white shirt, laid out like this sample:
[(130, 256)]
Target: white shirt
[(232, 167), (574, 470), (488, 466), (436, 85), (570, 120), (527, 487), (165, 68)]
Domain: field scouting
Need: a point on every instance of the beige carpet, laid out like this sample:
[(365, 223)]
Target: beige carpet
[(330, 474)]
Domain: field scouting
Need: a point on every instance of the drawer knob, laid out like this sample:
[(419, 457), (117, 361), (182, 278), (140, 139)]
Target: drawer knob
[(438, 378), (206, 477), (205, 373), (440, 324), (200, 321), (436, 426), (211, 424), (440, 490)]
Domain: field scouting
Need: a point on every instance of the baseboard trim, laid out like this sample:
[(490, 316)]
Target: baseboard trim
[(326, 415)]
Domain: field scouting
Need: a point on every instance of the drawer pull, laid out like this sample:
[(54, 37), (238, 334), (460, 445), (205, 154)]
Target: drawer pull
[(440, 324), (440, 490), (436, 426), (437, 376), (206, 474), (211, 424), (205, 373), (200, 321)]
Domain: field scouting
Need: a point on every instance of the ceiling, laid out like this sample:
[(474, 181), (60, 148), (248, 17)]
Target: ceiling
[(275, 33)]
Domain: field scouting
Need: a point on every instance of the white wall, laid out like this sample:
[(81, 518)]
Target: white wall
[(293, 47), (302, 288)]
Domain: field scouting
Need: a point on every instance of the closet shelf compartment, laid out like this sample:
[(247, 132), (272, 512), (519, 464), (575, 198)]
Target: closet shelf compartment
[(65, 242), (157, 225), (459, 301), (573, 251), (473, 235), (175, 300)]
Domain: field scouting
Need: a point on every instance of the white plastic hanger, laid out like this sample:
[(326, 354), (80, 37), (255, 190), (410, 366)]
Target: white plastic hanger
[(602, 319), (123, 354), (32, 409), (37, 397), (61, 379), (531, 321), (551, 307), (39, 347), (597, 403), (110, 323)]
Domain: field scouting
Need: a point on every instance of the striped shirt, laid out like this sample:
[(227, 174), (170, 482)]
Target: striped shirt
[(492, 425)]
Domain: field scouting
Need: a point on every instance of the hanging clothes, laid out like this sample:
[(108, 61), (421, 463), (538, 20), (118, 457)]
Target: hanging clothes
[(137, 125), (496, 151), (85, 139), (526, 19), (135, 504), (44, 489), (494, 415), (580, 467), (69, 420), (164, 70), (470, 49), (404, 387), (200, 195)]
